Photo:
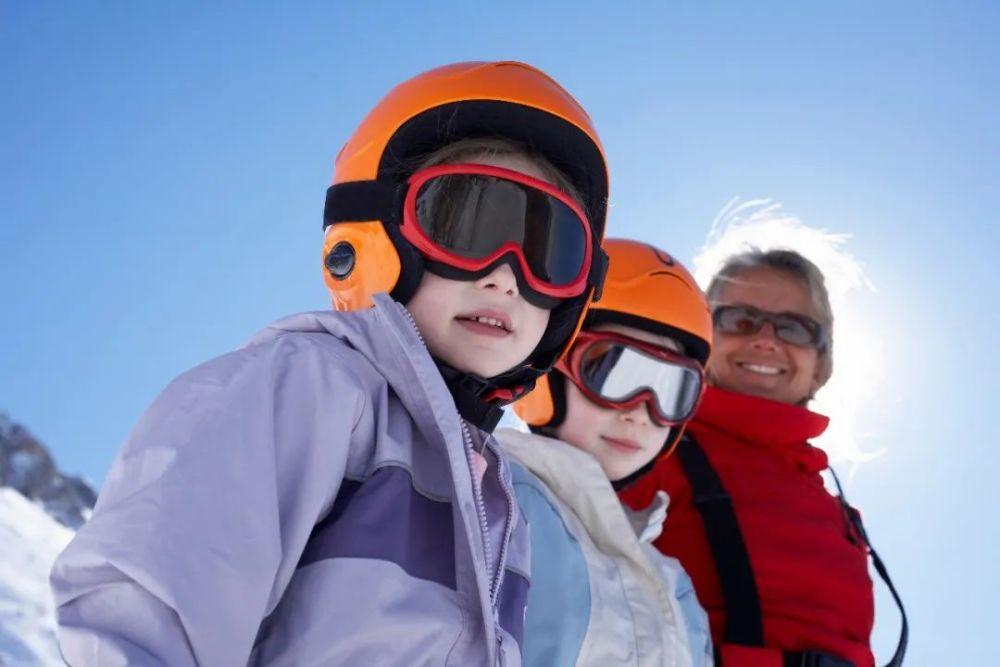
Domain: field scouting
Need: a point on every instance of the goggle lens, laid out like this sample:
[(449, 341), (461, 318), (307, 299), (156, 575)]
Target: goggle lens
[(477, 216), (618, 373)]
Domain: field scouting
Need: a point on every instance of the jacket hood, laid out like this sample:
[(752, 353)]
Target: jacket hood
[(385, 335), (781, 428)]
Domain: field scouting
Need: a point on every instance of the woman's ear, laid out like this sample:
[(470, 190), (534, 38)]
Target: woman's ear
[(821, 375)]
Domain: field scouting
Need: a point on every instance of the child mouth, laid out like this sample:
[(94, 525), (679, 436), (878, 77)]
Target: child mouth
[(622, 445), (491, 323)]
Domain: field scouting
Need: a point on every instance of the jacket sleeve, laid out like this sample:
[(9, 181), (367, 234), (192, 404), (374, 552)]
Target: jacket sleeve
[(207, 509)]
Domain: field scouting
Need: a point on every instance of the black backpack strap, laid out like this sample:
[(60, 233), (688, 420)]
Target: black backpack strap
[(744, 620), (854, 518)]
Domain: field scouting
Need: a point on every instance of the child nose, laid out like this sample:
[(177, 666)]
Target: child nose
[(637, 415), (501, 278)]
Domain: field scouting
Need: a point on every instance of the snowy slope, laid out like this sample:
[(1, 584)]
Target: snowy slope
[(30, 540)]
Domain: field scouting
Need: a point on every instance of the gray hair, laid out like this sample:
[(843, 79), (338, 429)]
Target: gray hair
[(800, 268)]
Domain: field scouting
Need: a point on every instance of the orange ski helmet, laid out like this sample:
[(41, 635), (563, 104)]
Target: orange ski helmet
[(647, 289), (364, 253)]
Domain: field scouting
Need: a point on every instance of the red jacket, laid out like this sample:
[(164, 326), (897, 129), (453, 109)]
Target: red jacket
[(811, 571)]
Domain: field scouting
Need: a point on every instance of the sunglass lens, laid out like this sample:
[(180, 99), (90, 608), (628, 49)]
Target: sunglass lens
[(745, 321), (738, 320), (795, 331)]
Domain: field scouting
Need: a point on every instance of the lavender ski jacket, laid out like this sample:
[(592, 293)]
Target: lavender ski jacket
[(306, 500)]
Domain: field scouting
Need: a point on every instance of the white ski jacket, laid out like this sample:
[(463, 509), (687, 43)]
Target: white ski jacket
[(599, 594)]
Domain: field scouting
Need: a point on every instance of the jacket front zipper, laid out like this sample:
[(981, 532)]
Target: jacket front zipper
[(508, 528), (477, 492)]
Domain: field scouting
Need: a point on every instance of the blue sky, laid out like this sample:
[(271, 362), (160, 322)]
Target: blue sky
[(163, 167)]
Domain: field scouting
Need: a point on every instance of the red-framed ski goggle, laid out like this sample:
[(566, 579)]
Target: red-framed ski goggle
[(615, 371), (468, 216)]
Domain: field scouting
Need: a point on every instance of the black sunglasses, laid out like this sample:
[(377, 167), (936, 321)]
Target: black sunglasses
[(792, 328)]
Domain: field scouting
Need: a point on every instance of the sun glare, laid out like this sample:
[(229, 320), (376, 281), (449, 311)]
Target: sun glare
[(857, 349)]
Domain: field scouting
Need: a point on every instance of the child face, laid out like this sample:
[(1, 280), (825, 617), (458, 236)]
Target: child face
[(480, 326), (622, 441)]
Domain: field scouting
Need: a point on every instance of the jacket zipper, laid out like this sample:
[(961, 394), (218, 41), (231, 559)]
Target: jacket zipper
[(497, 577), (502, 563), (477, 493), (508, 527), (413, 323)]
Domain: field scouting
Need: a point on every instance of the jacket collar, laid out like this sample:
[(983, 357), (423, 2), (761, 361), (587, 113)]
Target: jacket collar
[(576, 478), (782, 428)]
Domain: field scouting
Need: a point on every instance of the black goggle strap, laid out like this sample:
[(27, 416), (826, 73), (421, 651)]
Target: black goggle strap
[(363, 201)]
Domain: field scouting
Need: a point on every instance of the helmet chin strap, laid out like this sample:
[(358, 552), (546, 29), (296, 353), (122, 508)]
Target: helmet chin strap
[(469, 392), (480, 401)]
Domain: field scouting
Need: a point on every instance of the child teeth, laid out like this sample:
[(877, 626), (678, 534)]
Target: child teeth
[(490, 320)]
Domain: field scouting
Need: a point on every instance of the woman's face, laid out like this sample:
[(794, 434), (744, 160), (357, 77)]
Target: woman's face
[(762, 364)]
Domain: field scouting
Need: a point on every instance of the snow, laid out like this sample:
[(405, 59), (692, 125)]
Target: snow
[(31, 541)]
